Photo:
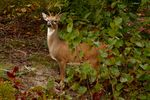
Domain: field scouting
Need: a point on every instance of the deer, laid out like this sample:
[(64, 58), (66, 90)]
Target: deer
[(59, 49)]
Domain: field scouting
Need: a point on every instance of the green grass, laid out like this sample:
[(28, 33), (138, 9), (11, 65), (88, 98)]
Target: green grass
[(3, 68), (37, 58)]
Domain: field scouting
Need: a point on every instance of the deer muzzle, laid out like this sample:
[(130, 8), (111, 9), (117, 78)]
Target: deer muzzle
[(49, 23)]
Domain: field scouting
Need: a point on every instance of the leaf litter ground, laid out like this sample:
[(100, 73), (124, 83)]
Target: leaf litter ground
[(27, 50)]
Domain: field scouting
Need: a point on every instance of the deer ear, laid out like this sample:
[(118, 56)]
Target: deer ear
[(44, 16)]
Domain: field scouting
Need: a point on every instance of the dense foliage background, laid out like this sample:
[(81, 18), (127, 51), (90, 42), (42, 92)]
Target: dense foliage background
[(122, 24)]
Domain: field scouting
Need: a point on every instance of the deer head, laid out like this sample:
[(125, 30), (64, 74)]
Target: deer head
[(52, 21)]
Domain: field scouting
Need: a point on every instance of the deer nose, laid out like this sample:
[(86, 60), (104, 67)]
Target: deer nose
[(49, 23)]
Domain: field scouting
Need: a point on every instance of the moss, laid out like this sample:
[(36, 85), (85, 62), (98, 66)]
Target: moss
[(7, 92)]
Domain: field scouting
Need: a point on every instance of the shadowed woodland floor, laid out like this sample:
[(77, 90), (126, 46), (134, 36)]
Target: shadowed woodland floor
[(22, 44)]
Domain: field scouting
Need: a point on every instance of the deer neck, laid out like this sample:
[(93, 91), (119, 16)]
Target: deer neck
[(52, 35)]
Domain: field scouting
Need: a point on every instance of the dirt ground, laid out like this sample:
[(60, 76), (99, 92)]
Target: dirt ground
[(22, 44)]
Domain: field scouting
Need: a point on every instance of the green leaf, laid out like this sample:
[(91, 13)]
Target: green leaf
[(137, 51), (116, 51), (98, 87), (86, 68), (139, 43), (147, 52), (126, 78), (103, 53), (75, 86), (114, 71), (123, 79), (144, 2), (147, 86), (68, 97), (87, 15), (139, 73), (112, 25), (120, 98), (118, 21), (114, 4), (128, 43), (70, 25), (132, 60), (82, 90), (96, 43), (119, 60), (104, 72), (121, 6), (110, 61), (119, 86), (119, 43), (144, 77), (70, 77), (143, 97), (113, 81), (116, 93), (112, 41), (145, 66)]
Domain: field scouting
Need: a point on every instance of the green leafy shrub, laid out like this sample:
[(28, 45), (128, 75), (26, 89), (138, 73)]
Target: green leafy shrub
[(128, 40)]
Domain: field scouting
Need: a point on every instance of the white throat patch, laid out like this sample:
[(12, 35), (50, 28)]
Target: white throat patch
[(49, 34), (50, 31)]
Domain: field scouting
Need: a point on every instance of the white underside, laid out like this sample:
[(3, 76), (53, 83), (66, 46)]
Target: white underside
[(51, 48)]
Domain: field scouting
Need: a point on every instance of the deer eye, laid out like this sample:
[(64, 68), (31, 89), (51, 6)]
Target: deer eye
[(54, 21)]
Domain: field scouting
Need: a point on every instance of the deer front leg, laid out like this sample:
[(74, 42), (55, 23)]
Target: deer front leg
[(62, 66)]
